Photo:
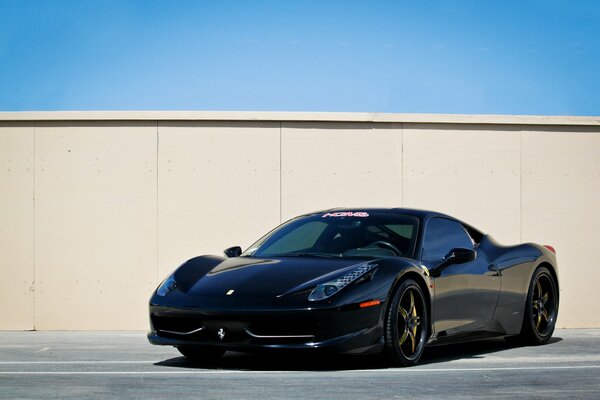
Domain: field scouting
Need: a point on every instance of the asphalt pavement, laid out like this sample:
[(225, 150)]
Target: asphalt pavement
[(99, 365)]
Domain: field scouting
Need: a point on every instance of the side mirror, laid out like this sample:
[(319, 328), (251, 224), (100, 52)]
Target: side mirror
[(455, 256), (232, 252), (460, 255)]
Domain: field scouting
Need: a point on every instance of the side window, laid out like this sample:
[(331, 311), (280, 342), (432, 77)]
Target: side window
[(443, 235)]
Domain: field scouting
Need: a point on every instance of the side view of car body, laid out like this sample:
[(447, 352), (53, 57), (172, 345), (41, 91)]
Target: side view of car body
[(359, 281)]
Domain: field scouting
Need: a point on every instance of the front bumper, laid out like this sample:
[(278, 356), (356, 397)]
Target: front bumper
[(338, 330)]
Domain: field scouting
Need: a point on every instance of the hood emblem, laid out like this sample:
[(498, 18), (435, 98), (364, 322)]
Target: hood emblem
[(230, 292), (221, 333)]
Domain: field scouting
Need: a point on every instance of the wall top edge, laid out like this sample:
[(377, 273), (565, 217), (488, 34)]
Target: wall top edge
[(283, 116)]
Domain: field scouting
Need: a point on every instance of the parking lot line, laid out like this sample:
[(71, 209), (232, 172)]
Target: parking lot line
[(78, 362), (221, 371)]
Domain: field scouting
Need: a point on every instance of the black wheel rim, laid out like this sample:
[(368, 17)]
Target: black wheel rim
[(410, 329), (543, 305)]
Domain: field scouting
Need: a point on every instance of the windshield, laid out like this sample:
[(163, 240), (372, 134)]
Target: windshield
[(341, 234)]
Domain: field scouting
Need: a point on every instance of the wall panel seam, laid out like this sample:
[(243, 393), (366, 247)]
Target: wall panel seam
[(402, 164), (521, 183), (157, 186), (280, 171), (33, 247)]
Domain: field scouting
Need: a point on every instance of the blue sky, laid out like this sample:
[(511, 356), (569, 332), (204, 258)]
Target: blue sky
[(418, 56)]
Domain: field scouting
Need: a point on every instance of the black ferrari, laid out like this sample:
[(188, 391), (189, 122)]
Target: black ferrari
[(386, 281)]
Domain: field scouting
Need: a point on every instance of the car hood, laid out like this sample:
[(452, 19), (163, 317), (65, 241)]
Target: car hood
[(261, 277)]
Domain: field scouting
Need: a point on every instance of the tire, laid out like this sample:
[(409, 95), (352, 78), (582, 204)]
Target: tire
[(201, 353), (406, 325), (541, 308)]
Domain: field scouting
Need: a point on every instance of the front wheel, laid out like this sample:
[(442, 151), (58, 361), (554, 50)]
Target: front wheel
[(406, 325), (541, 308)]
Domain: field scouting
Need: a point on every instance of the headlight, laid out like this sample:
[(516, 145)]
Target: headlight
[(166, 286), (330, 288)]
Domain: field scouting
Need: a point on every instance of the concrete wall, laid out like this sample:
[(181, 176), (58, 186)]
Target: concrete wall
[(97, 207)]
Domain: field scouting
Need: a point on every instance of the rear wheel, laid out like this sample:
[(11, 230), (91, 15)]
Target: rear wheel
[(406, 325), (541, 308), (201, 353)]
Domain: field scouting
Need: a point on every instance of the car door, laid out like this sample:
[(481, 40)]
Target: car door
[(465, 293)]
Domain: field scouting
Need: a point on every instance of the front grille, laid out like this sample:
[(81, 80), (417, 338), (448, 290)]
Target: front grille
[(176, 324), (245, 329), (283, 326)]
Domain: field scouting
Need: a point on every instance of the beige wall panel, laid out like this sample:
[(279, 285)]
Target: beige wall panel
[(472, 173), (328, 165), (16, 226), (561, 199), (118, 205), (95, 224), (218, 187)]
